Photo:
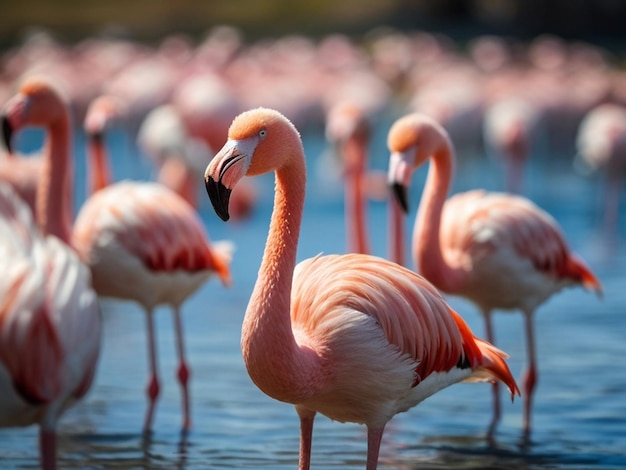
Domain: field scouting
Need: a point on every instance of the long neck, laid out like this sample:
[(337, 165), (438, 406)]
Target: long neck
[(99, 173), (274, 360), (54, 193), (354, 199), (427, 248)]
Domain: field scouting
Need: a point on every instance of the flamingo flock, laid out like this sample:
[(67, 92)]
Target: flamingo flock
[(356, 336)]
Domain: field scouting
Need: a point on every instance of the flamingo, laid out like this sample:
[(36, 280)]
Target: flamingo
[(146, 243), (498, 250), (349, 130), (601, 145), (509, 126), (141, 241), (163, 137), (50, 326), (354, 337)]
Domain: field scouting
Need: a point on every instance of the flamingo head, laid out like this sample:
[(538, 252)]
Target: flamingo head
[(259, 141), (37, 103), (412, 140), (347, 125), (100, 114)]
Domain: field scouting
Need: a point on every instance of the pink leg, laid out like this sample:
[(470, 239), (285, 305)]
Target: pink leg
[(153, 379), (495, 386), (374, 438), (183, 368), (530, 376), (306, 437), (48, 449)]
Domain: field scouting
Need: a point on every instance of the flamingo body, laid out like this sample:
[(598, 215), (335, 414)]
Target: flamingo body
[(513, 253), (355, 337), (153, 250), (49, 325)]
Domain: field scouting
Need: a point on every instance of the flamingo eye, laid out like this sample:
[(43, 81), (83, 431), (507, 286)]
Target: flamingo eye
[(262, 133)]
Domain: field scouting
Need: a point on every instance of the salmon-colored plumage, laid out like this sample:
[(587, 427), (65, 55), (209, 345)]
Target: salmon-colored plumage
[(49, 325), (499, 250), (355, 337)]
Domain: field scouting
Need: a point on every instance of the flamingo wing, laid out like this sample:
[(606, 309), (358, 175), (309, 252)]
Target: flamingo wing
[(479, 223), (411, 313)]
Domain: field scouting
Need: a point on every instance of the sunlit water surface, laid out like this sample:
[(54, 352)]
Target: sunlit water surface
[(580, 404)]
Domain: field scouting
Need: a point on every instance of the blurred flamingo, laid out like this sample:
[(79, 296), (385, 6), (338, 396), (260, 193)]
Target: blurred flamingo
[(49, 320), (179, 158), (354, 337), (498, 250), (601, 145), (509, 128), (144, 242), (349, 131)]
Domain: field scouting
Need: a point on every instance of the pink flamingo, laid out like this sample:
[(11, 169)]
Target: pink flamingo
[(509, 128), (348, 130), (498, 250), (164, 139), (141, 241), (354, 337), (49, 325), (601, 145), (146, 243)]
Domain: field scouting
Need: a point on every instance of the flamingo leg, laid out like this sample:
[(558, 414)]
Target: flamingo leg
[(306, 437), (530, 376), (374, 438), (495, 386), (153, 387), (183, 372), (47, 448)]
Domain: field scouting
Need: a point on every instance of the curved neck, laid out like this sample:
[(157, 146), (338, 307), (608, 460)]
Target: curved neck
[(427, 251), (354, 199), (275, 362), (99, 172), (54, 193)]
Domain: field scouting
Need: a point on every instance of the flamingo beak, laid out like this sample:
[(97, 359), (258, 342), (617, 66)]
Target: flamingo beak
[(7, 133), (400, 193), (219, 195)]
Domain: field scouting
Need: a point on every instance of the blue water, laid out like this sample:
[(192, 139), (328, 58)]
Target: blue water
[(580, 401)]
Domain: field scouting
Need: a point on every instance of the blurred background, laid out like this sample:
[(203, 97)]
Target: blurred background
[(598, 21)]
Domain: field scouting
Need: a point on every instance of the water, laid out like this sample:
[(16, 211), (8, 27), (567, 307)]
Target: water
[(580, 404)]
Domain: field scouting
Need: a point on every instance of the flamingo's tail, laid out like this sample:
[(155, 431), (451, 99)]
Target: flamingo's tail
[(580, 271), (488, 362)]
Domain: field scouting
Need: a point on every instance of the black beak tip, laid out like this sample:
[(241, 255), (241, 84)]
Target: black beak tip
[(7, 133), (219, 196), (95, 137), (400, 193)]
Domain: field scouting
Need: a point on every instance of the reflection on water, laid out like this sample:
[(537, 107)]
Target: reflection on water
[(580, 409)]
